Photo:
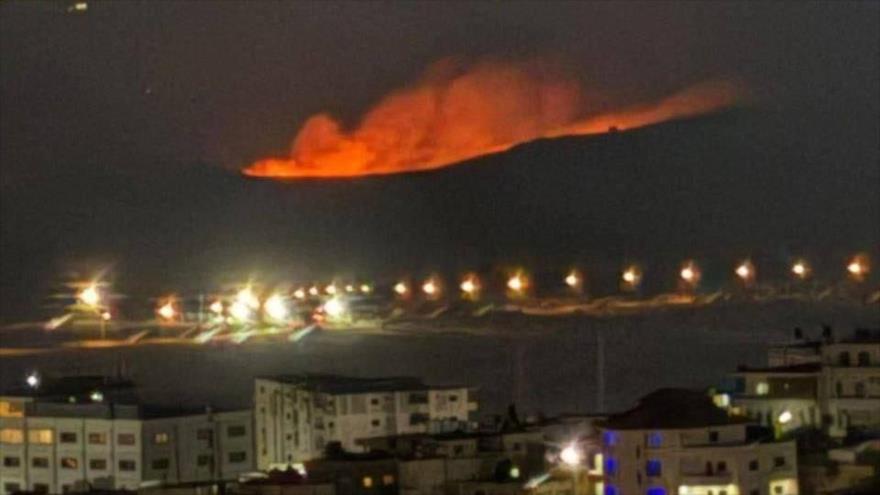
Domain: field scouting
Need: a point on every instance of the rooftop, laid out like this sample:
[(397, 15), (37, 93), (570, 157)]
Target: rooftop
[(672, 408), (335, 384), (805, 368)]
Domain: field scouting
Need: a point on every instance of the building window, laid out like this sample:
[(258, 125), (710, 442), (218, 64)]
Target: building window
[(516, 446), (453, 398), (40, 462), (843, 359), (418, 418), (653, 468), (721, 467), (457, 450), (125, 439), (376, 422), (713, 436), (11, 435), (753, 465), (43, 436), (860, 389), (127, 465), (67, 437), (657, 491), (160, 438), (239, 456), (236, 431), (204, 434), (654, 440), (779, 461), (69, 463), (864, 359), (12, 487), (204, 460), (160, 464), (367, 482), (609, 438), (755, 492), (98, 464), (11, 462), (41, 488), (762, 388), (610, 490), (96, 438), (777, 489), (387, 479), (611, 466), (374, 401), (418, 398)]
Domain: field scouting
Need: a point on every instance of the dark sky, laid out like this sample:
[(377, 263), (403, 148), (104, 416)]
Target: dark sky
[(121, 129), (142, 85)]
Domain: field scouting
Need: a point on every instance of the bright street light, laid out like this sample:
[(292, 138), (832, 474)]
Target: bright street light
[(690, 273), (800, 269), (240, 311), (746, 271), (167, 311), (275, 307), (247, 298), (216, 307), (469, 285), (366, 289), (33, 380), (631, 277), (570, 455), (400, 288), (430, 287), (516, 283), (330, 289), (90, 296), (313, 291), (349, 288), (573, 279), (858, 267), (334, 307), (784, 417), (299, 293), (106, 316)]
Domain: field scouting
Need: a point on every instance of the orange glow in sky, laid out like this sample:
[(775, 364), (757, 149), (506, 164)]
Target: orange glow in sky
[(452, 115)]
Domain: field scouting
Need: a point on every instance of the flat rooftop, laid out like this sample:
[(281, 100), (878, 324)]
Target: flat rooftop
[(335, 384)]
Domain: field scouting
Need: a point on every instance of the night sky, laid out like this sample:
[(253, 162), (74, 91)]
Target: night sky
[(122, 131)]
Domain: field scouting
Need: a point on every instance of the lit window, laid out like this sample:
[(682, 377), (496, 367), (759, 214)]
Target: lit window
[(367, 482), (387, 479), (160, 438), (654, 440), (657, 491), (653, 468), (69, 463), (611, 466), (10, 409), (609, 438), (11, 435), (97, 438), (43, 436), (762, 388), (125, 439), (610, 490)]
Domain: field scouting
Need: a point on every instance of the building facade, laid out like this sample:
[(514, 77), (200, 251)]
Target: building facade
[(296, 417), (679, 442)]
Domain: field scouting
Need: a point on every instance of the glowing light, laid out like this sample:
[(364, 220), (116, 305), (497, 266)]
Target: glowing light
[(400, 288), (570, 455), (299, 293), (334, 308), (470, 285), (90, 296), (275, 307), (514, 472), (858, 267), (33, 380), (690, 273), (96, 396), (745, 271), (800, 269), (573, 279), (632, 276), (313, 291), (240, 311), (366, 289), (330, 289), (516, 283), (247, 298), (349, 288), (167, 311), (784, 417), (106, 316), (430, 287), (216, 307)]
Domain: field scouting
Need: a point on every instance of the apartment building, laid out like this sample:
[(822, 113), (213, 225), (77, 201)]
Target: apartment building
[(679, 442), (89, 432), (297, 416)]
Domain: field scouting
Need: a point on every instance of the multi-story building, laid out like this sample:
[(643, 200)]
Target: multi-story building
[(90, 432), (296, 417), (830, 385), (679, 442)]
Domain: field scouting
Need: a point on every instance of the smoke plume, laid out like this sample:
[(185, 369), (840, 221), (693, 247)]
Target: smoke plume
[(456, 113)]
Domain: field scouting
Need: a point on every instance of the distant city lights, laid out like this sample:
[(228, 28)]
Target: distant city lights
[(247, 298), (275, 307), (216, 307), (32, 379), (167, 311), (90, 296), (106, 316), (746, 271), (573, 279), (334, 307), (430, 287), (631, 277), (517, 283), (299, 293), (240, 311), (366, 289), (400, 288), (858, 267), (690, 273), (470, 285), (349, 288), (330, 289), (313, 291)]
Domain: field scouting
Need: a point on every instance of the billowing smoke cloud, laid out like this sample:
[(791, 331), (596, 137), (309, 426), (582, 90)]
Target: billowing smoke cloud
[(456, 113)]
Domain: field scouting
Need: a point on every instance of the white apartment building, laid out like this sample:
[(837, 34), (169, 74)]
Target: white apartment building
[(677, 442), (832, 385), (68, 438), (297, 416)]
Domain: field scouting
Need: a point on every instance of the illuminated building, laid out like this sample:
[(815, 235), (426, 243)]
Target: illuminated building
[(301, 414), (93, 429), (677, 442)]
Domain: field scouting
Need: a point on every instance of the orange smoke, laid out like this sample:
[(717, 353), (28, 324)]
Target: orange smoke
[(453, 115)]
